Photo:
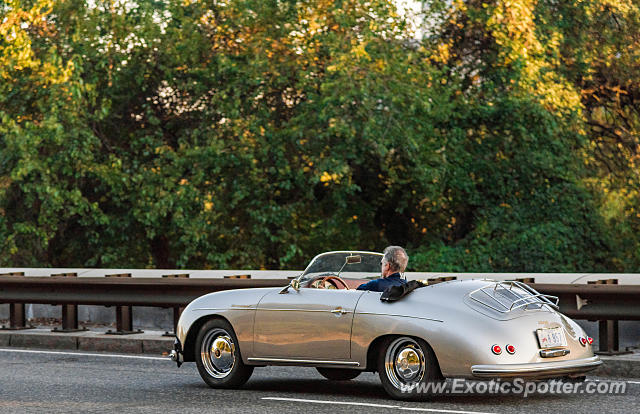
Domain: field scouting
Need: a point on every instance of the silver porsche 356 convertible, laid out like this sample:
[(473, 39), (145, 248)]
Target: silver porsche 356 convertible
[(469, 329)]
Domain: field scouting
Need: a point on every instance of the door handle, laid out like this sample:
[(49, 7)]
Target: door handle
[(339, 311)]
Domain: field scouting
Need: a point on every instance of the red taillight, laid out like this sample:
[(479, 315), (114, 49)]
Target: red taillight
[(511, 349), (589, 340), (496, 349), (583, 341)]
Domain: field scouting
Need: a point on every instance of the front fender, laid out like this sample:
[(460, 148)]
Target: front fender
[(236, 306)]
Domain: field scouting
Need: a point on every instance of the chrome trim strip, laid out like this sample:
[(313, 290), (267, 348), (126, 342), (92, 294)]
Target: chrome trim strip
[(304, 361), (400, 316), (302, 310)]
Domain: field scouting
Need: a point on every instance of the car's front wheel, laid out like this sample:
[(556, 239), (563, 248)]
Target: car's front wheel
[(338, 374), (407, 367), (218, 356)]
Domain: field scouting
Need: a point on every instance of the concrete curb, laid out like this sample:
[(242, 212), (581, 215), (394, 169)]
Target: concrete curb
[(94, 341), (152, 342)]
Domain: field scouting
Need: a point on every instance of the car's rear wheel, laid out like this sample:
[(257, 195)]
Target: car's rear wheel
[(218, 356), (406, 366), (339, 374)]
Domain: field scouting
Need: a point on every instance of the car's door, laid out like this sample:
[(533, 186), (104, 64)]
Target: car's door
[(312, 324)]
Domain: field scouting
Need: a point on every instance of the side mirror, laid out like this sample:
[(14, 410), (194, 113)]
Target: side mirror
[(294, 284), (354, 259), (351, 259)]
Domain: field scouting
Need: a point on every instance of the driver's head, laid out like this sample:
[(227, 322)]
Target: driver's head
[(396, 257)]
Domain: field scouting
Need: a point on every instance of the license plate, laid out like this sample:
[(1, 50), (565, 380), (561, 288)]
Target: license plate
[(551, 338)]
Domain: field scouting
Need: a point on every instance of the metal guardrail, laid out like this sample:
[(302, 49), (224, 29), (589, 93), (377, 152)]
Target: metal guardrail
[(595, 302), (121, 292), (605, 302), (554, 278), (157, 292)]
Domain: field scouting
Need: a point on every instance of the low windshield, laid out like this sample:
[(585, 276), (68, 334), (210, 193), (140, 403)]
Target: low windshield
[(329, 264)]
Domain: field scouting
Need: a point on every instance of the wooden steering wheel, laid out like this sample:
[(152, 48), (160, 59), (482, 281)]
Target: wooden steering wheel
[(331, 280)]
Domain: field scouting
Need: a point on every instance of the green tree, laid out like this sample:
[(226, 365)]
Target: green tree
[(166, 133), (518, 199), (600, 51), (237, 134)]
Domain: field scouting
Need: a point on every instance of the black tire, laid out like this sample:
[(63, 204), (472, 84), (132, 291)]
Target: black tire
[(406, 365), (218, 356), (339, 374)]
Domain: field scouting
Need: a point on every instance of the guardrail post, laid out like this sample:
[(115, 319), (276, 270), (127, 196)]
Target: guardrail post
[(124, 316), (608, 333), (17, 316), (69, 312), (177, 311)]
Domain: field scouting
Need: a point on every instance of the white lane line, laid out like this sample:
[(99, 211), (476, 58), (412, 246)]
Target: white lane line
[(633, 382), (431, 410), (25, 351)]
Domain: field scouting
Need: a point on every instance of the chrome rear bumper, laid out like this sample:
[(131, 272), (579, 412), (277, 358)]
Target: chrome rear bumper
[(539, 370), (176, 353)]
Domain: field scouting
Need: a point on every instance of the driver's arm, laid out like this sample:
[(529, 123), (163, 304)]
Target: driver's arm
[(371, 285)]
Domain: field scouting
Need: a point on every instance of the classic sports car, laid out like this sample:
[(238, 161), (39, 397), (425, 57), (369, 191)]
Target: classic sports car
[(468, 329)]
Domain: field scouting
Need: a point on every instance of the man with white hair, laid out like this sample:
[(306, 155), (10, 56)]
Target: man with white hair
[(393, 263)]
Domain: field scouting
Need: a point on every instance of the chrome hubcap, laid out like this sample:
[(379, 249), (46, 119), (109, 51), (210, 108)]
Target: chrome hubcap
[(404, 363), (218, 353)]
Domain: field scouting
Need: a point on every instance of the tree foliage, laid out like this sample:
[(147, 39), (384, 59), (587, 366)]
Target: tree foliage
[(165, 133)]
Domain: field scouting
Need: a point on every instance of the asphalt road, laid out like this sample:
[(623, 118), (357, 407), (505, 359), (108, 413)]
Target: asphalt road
[(37, 381)]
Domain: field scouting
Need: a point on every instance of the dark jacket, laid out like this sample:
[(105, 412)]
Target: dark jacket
[(379, 285)]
